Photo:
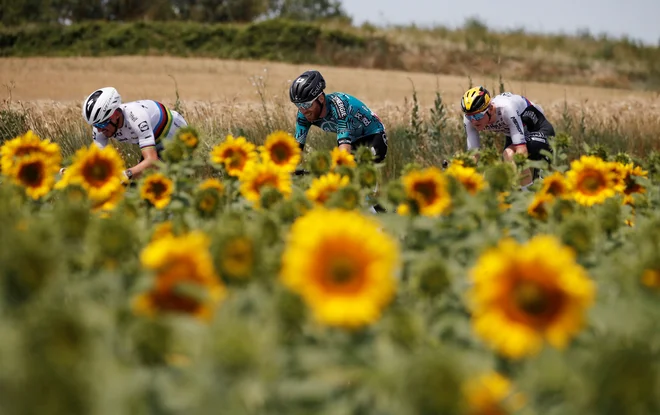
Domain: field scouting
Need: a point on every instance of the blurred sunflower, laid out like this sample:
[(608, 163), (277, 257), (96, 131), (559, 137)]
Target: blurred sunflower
[(471, 180), (502, 198), (99, 172), (36, 173), (630, 183), (539, 207), (111, 202), (428, 190), (342, 158), (212, 183), (157, 189), (234, 154), (323, 187), (281, 149), (651, 278), (256, 176), (525, 294), (162, 230), (491, 394), (343, 266), (237, 257), (185, 281), (555, 185), (207, 201), (619, 174), (189, 137), (24, 145), (592, 180)]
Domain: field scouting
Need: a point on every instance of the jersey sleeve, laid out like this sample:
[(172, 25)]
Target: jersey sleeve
[(340, 113), (515, 125), (139, 120), (99, 138), (473, 140), (302, 128)]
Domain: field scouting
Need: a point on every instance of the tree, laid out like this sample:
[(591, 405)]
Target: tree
[(307, 9)]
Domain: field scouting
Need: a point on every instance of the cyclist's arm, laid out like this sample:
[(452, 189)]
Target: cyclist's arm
[(473, 140), (99, 138), (302, 128), (515, 125), (139, 119)]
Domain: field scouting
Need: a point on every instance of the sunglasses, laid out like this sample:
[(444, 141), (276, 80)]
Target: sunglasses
[(305, 105), (477, 116), (103, 124)]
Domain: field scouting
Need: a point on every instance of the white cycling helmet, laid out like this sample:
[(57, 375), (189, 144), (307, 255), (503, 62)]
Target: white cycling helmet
[(100, 105)]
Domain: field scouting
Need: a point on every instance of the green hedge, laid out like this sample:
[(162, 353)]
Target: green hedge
[(279, 40)]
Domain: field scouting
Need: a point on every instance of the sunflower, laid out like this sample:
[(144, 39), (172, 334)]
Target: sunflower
[(212, 184), (502, 198), (539, 207), (188, 137), (281, 149), (619, 174), (428, 190), (323, 187), (525, 294), (207, 201), (24, 145), (185, 279), (256, 176), (555, 185), (343, 266), (592, 180), (157, 189), (99, 172), (234, 154), (236, 258), (342, 158), (162, 230), (36, 173), (491, 394), (630, 184), (471, 180), (651, 278), (111, 202)]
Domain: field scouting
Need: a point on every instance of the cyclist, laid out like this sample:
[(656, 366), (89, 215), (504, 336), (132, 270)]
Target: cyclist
[(523, 122), (145, 123), (353, 122)]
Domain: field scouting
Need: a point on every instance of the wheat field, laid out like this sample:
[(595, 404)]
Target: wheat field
[(224, 81)]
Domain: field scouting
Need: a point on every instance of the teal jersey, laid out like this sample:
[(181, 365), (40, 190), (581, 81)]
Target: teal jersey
[(347, 116)]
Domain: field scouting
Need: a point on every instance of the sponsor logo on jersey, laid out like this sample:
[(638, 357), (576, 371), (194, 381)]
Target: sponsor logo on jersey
[(530, 115), (132, 116), (363, 118), (143, 126), (341, 108)]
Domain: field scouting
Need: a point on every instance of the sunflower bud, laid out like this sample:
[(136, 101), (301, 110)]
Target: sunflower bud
[(347, 197), (500, 177), (430, 276), (610, 215), (345, 171), (319, 163), (623, 158), (188, 136), (269, 197), (577, 233), (367, 176), (174, 151), (396, 192), (563, 141), (363, 155), (598, 150)]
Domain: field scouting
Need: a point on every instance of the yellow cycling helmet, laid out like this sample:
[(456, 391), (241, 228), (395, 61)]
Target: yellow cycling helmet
[(475, 99)]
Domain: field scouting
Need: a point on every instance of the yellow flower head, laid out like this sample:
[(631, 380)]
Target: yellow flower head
[(651, 278), (237, 257), (323, 187), (428, 189), (189, 138), (257, 176), (619, 174), (471, 180), (343, 266), (630, 186), (525, 294), (342, 158), (555, 185), (212, 184), (234, 154), (99, 172), (157, 189), (29, 143), (592, 180), (185, 279), (36, 173), (491, 394), (281, 149), (539, 206), (162, 230)]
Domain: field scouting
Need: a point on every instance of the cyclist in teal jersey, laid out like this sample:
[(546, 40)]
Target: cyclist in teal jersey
[(353, 122)]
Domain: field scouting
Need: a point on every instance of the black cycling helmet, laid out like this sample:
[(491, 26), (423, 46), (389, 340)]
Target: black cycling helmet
[(306, 87)]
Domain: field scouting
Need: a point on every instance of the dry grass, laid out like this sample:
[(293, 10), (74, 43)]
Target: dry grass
[(228, 82)]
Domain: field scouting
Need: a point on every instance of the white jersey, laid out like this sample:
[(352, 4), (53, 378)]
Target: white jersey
[(145, 123), (511, 109)]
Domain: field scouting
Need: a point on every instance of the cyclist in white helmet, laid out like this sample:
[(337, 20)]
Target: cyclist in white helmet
[(523, 123), (145, 123)]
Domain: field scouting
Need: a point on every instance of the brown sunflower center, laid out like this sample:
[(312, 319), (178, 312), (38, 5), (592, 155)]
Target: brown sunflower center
[(166, 296), (236, 159), (555, 188), (158, 189), (427, 190), (25, 150), (97, 173), (280, 153), (592, 182), (238, 257), (32, 174), (535, 303), (208, 203), (263, 180)]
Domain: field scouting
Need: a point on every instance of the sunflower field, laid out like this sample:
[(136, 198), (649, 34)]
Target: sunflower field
[(229, 284)]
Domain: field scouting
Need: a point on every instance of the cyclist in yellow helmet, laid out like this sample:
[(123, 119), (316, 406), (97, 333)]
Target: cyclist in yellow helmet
[(524, 124)]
